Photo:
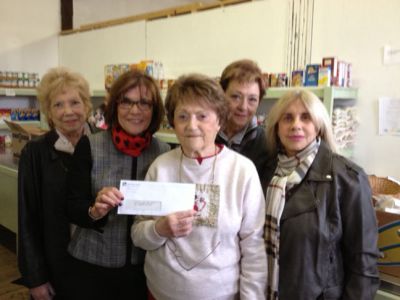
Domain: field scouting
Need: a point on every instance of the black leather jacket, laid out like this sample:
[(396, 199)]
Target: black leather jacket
[(43, 227), (328, 238), (253, 146)]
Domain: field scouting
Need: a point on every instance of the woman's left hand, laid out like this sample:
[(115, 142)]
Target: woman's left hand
[(176, 224)]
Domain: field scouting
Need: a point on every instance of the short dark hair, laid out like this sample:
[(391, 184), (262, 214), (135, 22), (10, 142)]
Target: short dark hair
[(243, 71), (127, 81)]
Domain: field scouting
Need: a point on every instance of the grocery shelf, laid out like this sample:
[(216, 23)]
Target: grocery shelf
[(15, 92), (328, 95), (167, 137), (33, 123)]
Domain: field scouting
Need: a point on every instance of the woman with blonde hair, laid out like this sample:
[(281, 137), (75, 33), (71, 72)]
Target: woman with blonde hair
[(321, 232), (43, 225)]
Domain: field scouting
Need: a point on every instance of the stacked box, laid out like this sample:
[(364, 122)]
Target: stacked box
[(298, 78), (324, 76), (332, 63), (21, 134), (311, 75)]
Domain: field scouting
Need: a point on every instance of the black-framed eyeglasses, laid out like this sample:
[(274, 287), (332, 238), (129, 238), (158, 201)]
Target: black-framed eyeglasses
[(142, 104)]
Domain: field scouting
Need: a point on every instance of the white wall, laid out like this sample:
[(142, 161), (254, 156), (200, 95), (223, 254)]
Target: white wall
[(90, 51), (203, 42), (29, 35), (110, 9), (207, 41), (356, 31)]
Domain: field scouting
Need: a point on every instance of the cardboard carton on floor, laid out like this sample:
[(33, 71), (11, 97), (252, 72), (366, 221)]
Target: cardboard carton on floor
[(389, 242), (21, 134)]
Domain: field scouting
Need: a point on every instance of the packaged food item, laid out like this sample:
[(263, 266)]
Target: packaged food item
[(332, 62), (349, 75), (112, 72), (273, 80), (342, 73), (297, 78), (311, 75), (282, 79), (324, 76), (265, 77)]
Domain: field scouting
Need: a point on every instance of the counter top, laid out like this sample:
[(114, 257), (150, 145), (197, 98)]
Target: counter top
[(8, 163), (390, 284)]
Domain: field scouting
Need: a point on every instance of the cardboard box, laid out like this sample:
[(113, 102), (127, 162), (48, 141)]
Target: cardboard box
[(324, 76), (332, 62), (21, 134), (311, 75), (389, 242)]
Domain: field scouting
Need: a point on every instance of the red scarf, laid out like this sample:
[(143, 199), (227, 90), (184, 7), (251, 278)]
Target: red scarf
[(128, 144)]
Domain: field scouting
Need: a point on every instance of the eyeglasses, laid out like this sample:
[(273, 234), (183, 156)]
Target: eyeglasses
[(142, 104)]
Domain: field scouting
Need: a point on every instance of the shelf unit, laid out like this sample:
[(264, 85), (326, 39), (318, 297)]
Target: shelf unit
[(15, 92), (328, 95), (28, 93)]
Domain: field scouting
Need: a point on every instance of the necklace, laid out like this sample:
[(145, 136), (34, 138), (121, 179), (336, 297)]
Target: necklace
[(213, 166)]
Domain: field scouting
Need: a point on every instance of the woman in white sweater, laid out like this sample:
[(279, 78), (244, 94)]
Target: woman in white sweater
[(216, 250)]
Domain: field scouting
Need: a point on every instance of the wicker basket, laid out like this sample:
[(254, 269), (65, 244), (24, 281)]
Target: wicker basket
[(381, 185)]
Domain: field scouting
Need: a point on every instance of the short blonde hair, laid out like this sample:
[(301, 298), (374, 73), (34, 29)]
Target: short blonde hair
[(314, 106), (200, 89), (55, 82)]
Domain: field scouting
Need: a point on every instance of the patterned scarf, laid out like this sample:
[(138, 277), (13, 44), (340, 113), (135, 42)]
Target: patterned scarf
[(289, 172), (128, 144)]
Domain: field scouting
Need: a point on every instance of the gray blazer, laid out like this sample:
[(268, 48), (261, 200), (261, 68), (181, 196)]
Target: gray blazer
[(105, 244)]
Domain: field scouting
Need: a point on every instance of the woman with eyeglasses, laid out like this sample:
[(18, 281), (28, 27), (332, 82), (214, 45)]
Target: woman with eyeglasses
[(216, 250), (112, 267)]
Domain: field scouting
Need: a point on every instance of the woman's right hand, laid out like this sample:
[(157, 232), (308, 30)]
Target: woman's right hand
[(43, 292), (107, 198), (176, 224)]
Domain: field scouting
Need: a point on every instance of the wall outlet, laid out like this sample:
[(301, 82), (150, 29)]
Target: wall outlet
[(391, 56)]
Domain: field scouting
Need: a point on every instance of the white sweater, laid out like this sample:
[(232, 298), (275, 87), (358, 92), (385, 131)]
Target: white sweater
[(220, 261)]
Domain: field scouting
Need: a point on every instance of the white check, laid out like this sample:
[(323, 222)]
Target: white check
[(155, 198)]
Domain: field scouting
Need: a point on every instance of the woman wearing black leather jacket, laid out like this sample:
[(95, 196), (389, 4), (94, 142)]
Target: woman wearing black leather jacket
[(43, 227), (321, 231)]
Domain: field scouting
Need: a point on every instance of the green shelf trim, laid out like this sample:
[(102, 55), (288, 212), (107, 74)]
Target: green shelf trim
[(167, 137), (99, 93), (36, 123), (4, 170), (15, 92), (321, 92)]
